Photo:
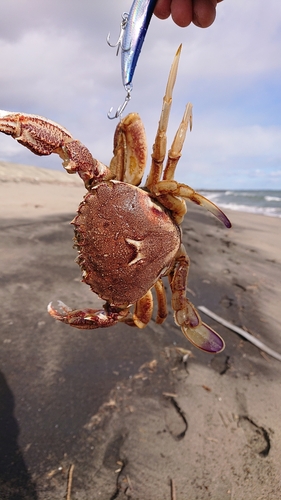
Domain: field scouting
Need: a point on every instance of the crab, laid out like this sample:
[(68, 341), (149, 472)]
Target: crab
[(128, 237)]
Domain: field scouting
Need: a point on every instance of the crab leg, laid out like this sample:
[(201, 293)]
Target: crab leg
[(143, 310), (87, 319), (160, 144), (44, 137), (177, 206), (162, 301), (186, 316), (174, 188), (174, 153), (130, 150)]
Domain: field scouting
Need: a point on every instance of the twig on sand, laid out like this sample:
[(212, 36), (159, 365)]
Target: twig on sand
[(69, 482), (130, 487), (173, 490), (241, 332)]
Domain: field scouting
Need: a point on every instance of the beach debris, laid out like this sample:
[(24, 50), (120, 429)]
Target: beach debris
[(213, 440), (69, 482), (169, 394), (150, 365), (207, 388), (184, 354), (241, 332), (145, 369), (127, 237), (173, 489)]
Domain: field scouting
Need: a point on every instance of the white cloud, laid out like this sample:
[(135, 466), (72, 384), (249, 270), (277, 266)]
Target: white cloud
[(241, 141), (276, 174)]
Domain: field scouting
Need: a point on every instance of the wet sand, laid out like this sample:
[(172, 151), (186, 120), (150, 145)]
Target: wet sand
[(119, 403)]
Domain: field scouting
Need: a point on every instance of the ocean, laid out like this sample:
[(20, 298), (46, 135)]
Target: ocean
[(267, 202)]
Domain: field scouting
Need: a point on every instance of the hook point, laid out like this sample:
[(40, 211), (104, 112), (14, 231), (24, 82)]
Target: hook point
[(121, 107)]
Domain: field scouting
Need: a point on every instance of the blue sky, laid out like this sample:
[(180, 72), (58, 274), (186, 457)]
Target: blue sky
[(55, 62)]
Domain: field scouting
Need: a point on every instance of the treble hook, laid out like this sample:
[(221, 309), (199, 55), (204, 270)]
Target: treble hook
[(123, 25), (122, 106)]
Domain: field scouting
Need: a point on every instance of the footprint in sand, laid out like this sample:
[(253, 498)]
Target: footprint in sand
[(257, 437), (175, 419)]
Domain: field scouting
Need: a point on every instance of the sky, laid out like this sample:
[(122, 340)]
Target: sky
[(55, 62)]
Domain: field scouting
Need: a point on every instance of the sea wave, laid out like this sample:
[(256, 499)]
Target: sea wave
[(272, 198), (263, 202), (268, 211)]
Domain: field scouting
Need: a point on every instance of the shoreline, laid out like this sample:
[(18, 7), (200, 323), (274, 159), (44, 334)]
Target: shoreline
[(41, 193)]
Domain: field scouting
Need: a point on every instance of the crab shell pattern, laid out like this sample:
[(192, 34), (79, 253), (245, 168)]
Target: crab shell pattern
[(127, 237)]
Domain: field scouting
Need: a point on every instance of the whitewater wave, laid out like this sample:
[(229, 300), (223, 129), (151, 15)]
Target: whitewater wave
[(256, 202)]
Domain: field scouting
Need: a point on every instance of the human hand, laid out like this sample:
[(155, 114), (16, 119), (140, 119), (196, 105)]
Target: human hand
[(202, 13)]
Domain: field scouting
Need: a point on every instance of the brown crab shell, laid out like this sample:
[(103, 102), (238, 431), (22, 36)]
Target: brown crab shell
[(126, 241)]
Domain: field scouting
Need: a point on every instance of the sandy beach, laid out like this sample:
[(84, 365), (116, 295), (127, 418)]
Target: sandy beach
[(121, 405)]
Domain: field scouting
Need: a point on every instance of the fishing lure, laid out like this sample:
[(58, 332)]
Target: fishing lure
[(133, 29)]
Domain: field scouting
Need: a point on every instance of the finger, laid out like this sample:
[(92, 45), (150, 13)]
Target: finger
[(163, 9), (204, 12), (201, 12), (182, 12)]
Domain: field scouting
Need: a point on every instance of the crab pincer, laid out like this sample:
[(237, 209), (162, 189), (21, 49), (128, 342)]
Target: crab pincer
[(86, 319)]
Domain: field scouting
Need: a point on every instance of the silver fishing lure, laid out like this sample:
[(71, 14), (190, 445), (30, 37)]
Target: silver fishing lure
[(133, 29)]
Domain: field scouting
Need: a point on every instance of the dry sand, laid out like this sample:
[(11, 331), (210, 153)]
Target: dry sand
[(119, 403)]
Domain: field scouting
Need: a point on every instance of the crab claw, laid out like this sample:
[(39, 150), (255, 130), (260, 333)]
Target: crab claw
[(86, 319), (199, 199), (44, 137), (197, 332), (204, 338)]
